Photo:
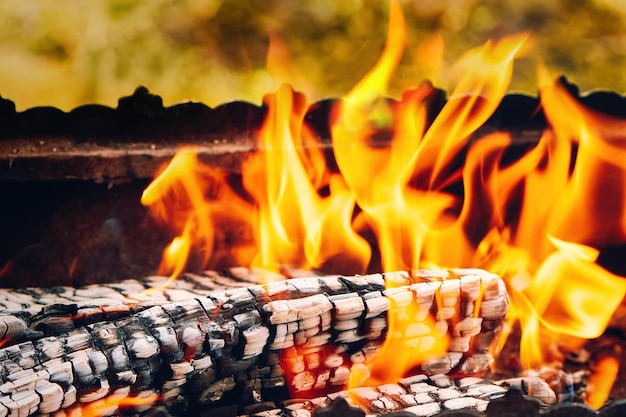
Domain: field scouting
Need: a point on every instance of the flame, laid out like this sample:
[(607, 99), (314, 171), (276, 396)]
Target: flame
[(601, 381), (410, 192), (110, 404), (191, 198), (285, 178), (411, 340), (570, 294), (569, 298), (405, 217)]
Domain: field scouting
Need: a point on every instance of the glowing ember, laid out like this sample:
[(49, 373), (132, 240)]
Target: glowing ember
[(429, 194)]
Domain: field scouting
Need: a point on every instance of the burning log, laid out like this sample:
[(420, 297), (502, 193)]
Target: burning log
[(416, 396), (197, 345)]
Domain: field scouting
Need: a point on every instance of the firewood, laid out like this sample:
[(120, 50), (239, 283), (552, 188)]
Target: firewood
[(206, 341), (419, 395)]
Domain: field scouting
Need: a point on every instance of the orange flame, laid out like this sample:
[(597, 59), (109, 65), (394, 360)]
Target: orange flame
[(601, 381), (570, 293), (285, 178), (430, 192), (110, 404), (191, 198), (411, 340)]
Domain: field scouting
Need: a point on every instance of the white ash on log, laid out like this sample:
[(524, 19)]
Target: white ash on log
[(211, 340), (418, 395)]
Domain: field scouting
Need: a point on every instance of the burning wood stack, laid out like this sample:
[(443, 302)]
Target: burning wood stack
[(212, 341), (224, 344), (441, 188)]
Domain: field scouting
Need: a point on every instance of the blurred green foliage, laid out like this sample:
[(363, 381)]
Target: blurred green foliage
[(71, 52)]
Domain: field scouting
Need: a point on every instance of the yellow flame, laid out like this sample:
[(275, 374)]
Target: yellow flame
[(410, 342), (297, 226), (570, 294), (428, 192)]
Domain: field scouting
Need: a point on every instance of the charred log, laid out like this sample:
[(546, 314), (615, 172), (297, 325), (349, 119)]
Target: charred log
[(209, 341)]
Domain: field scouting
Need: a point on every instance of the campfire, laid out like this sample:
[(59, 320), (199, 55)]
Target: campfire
[(359, 255)]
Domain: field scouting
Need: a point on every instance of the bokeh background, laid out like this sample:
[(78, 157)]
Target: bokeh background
[(70, 52)]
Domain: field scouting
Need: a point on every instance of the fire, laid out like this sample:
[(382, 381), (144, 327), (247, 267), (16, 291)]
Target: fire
[(571, 296), (297, 226), (601, 380), (411, 340), (192, 198), (429, 192), (110, 405)]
